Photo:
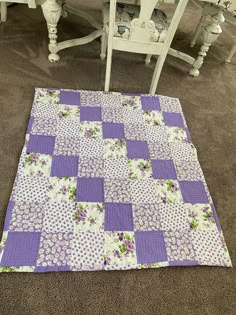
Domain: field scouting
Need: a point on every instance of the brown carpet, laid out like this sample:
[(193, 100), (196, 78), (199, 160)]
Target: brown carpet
[(210, 109)]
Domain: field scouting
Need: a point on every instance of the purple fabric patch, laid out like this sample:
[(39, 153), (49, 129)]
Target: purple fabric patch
[(41, 144), (150, 103), (90, 113), (163, 169), (173, 119), (63, 166), (150, 247), (90, 189), (113, 130), (30, 125), (137, 149), (118, 217), (21, 249), (52, 268), (183, 263), (70, 97), (8, 215), (193, 192)]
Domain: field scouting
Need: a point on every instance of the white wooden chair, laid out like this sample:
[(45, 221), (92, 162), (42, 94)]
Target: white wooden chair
[(209, 10), (3, 7), (141, 29)]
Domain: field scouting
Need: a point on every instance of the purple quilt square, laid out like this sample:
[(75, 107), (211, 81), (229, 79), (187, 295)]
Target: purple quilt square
[(90, 113), (70, 97), (137, 149), (163, 169), (90, 189), (150, 247), (113, 130), (118, 217), (193, 192), (30, 125), (8, 215), (41, 144), (150, 103), (64, 166), (173, 119), (21, 249)]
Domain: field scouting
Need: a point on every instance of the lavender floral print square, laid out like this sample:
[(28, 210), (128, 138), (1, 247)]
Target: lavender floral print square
[(109, 181)]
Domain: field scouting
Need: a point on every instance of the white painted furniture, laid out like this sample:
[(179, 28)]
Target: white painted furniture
[(52, 10), (3, 7), (215, 9), (142, 30), (212, 11)]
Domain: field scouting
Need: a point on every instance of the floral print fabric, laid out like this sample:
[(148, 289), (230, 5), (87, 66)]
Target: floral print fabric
[(109, 181), (36, 164), (62, 189), (89, 217), (115, 148), (119, 249)]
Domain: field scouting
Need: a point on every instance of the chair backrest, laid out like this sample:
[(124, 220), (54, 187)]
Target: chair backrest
[(141, 32), (143, 26)]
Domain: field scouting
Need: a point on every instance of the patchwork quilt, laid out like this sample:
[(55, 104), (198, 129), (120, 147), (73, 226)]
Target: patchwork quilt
[(109, 181)]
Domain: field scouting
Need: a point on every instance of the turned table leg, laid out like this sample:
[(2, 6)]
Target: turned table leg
[(52, 11), (210, 33)]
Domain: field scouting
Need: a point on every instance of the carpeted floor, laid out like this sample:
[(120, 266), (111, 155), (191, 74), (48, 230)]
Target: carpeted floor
[(210, 109)]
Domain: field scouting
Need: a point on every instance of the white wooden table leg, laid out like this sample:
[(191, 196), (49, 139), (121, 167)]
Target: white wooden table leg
[(208, 10), (52, 12), (232, 52), (3, 11), (210, 33)]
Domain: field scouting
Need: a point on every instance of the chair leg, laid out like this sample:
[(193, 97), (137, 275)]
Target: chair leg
[(232, 52), (3, 11), (104, 41), (157, 73), (148, 59), (108, 68)]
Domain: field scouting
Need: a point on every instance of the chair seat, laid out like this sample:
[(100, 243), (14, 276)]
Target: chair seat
[(125, 13)]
